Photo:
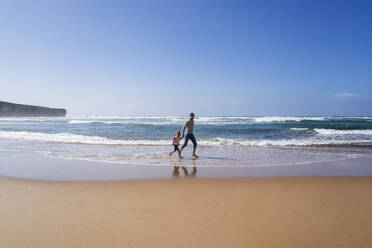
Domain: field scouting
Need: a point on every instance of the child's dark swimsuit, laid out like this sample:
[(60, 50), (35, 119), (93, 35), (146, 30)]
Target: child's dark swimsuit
[(176, 142)]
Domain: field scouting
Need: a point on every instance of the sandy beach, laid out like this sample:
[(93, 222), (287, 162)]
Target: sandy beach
[(185, 212), (186, 124)]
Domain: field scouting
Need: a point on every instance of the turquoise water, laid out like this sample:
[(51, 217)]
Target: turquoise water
[(223, 141)]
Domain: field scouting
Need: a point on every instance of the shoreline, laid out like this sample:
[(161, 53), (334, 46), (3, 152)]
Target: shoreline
[(40, 167)]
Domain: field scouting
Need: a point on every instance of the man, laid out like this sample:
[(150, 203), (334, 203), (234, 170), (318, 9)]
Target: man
[(189, 125)]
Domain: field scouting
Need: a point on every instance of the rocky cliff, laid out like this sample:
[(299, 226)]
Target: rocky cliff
[(8, 109)]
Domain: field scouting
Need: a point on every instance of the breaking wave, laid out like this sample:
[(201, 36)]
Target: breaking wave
[(97, 140), (342, 132), (171, 120)]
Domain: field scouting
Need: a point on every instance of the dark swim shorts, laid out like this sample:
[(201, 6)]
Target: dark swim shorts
[(191, 137)]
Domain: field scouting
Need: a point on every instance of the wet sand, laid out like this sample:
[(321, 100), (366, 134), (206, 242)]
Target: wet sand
[(39, 167), (188, 212)]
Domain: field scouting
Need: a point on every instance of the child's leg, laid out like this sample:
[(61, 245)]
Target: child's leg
[(179, 154), (175, 149), (176, 172), (178, 150)]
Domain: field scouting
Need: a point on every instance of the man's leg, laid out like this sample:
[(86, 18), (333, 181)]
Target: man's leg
[(194, 171), (193, 140)]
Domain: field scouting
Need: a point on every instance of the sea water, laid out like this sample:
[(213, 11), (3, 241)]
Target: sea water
[(222, 141)]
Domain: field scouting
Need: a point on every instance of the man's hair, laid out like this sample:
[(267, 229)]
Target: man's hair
[(192, 114)]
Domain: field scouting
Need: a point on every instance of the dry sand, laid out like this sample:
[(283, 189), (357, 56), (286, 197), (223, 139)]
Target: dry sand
[(274, 212)]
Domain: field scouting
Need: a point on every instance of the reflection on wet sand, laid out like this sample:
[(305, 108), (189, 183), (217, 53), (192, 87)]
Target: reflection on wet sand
[(176, 171), (186, 173)]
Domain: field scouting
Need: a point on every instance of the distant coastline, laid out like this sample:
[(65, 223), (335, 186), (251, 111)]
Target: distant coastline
[(8, 109)]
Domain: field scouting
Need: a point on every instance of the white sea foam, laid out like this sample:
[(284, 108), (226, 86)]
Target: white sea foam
[(93, 121), (171, 120), (80, 122), (299, 128), (288, 118), (167, 119), (342, 132), (282, 142), (199, 120), (76, 138), (96, 140)]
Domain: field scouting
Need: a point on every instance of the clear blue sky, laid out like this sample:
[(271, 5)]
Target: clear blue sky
[(172, 57)]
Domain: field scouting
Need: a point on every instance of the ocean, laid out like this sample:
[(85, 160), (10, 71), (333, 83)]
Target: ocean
[(222, 141)]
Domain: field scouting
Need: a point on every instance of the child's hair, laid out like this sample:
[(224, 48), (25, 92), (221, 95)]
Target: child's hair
[(178, 132)]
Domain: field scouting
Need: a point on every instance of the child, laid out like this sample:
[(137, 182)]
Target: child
[(176, 142)]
